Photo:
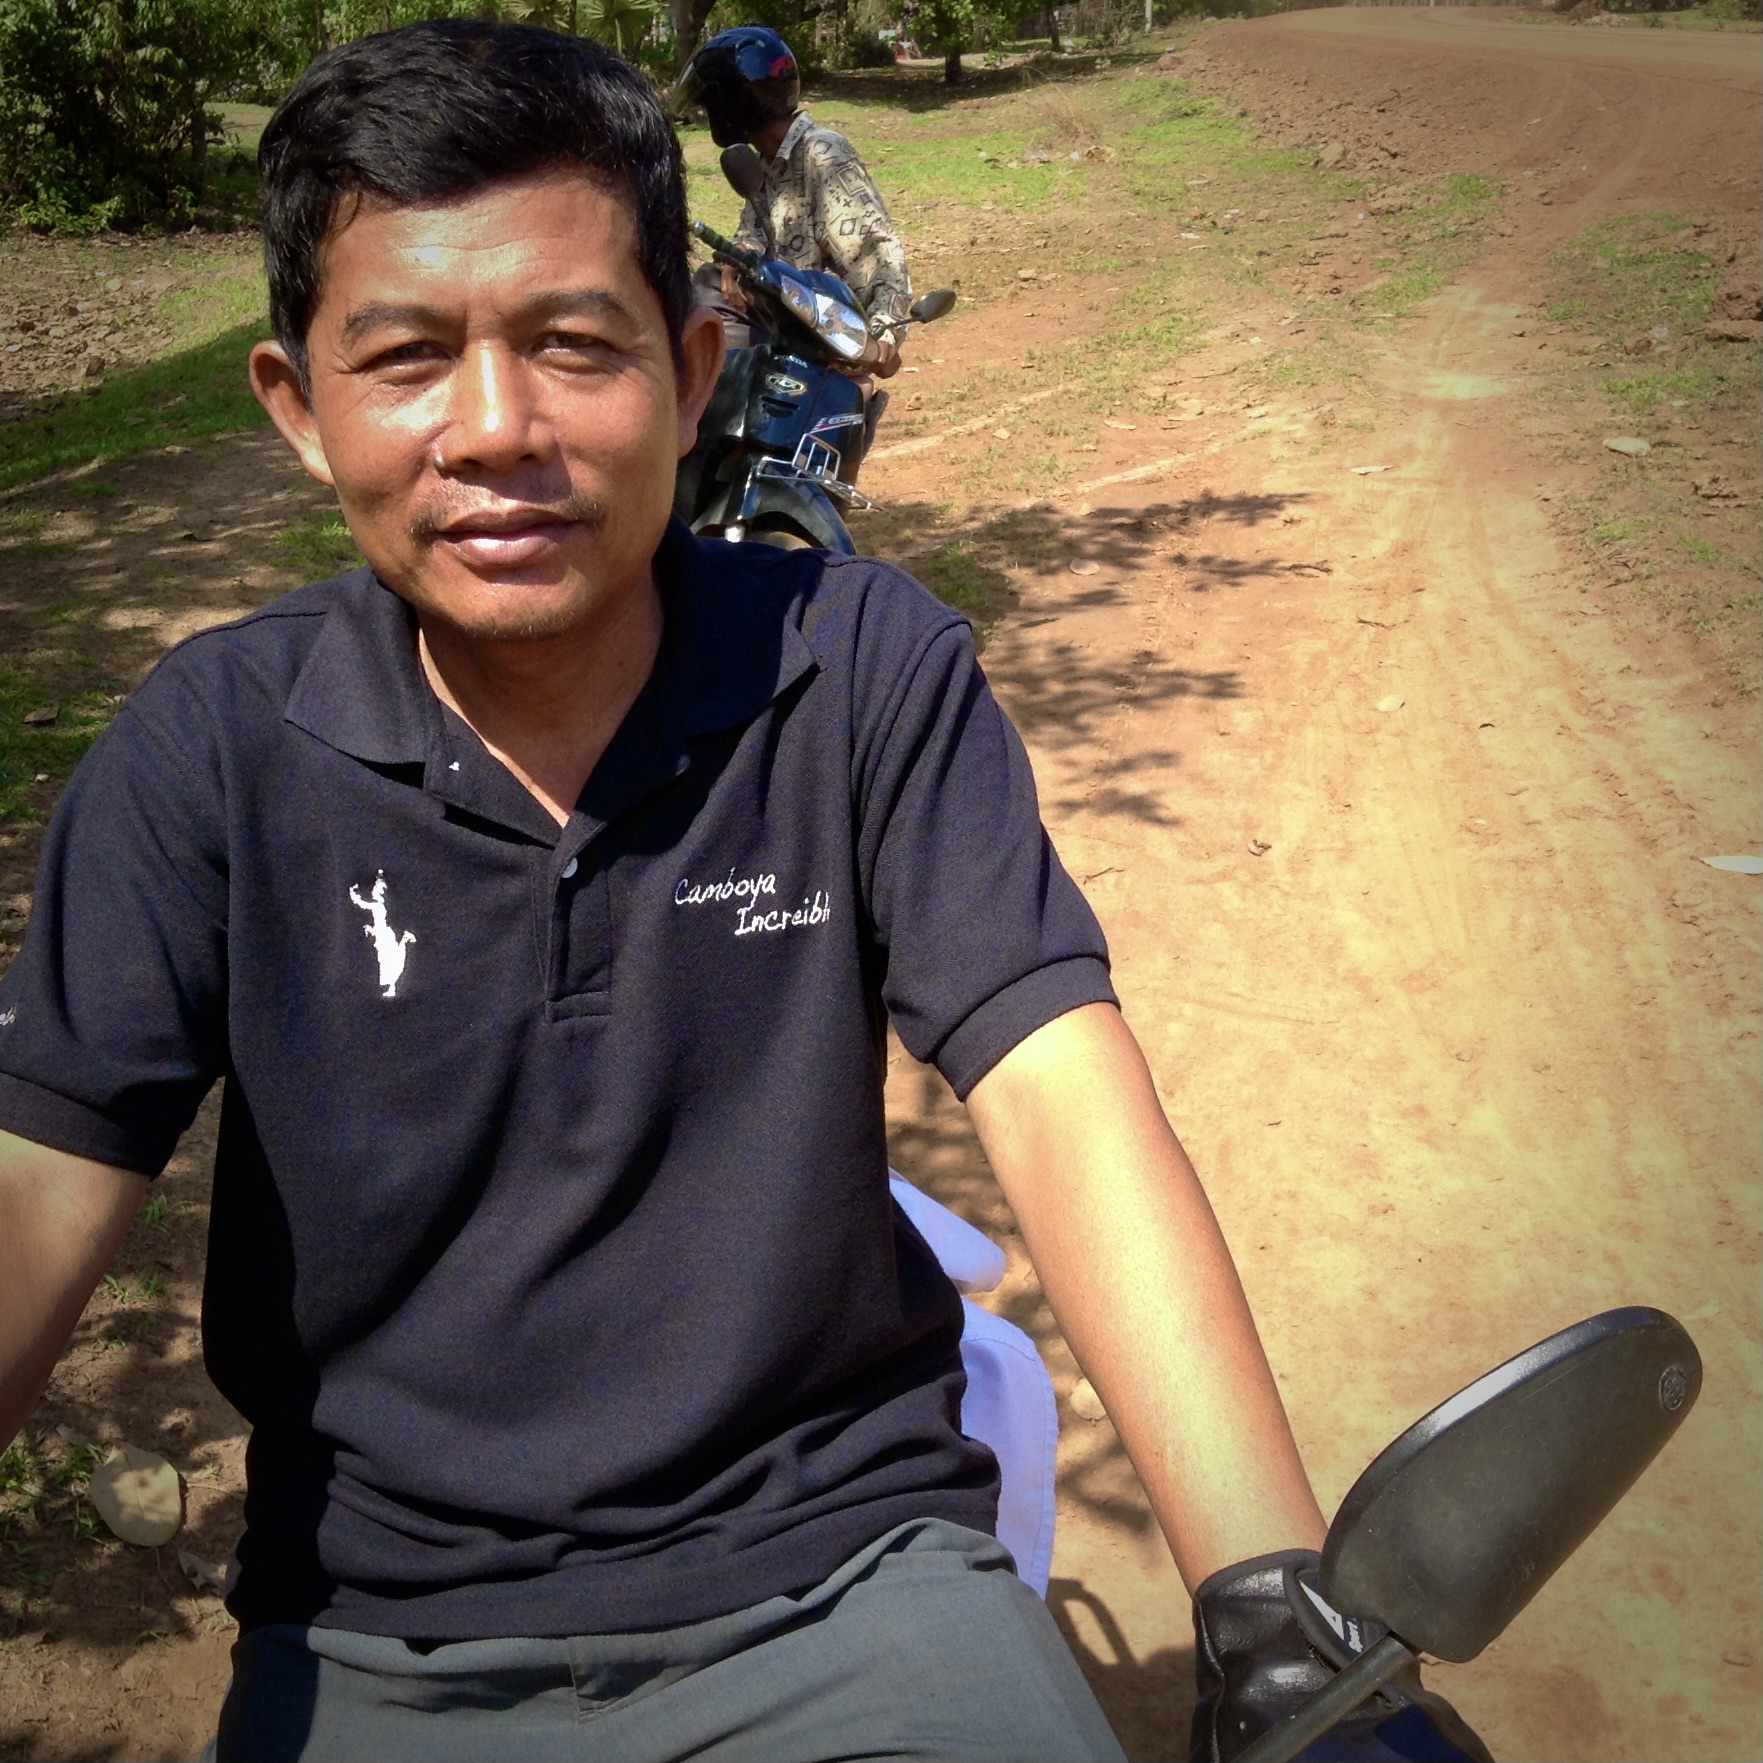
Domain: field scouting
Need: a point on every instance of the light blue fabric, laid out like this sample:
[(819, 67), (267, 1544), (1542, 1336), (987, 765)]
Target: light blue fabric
[(1009, 1405)]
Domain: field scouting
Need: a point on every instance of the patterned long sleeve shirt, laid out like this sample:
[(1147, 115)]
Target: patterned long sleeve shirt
[(820, 209)]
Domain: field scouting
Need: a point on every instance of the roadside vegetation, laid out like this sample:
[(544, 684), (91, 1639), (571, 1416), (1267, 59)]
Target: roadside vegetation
[(1712, 15), (1678, 526)]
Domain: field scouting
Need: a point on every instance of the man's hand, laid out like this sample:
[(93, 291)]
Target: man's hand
[(62, 1219), (733, 293), (887, 358), (1138, 1274)]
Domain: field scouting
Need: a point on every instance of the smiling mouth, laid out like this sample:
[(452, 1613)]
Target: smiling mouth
[(504, 547), (507, 538)]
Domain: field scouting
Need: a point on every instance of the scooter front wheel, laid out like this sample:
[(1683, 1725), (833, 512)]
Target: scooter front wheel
[(771, 529), (777, 529)]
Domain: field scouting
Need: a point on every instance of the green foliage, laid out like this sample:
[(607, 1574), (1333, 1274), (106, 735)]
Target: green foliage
[(106, 106), (952, 27), (945, 25), (622, 24), (865, 48), (799, 22)]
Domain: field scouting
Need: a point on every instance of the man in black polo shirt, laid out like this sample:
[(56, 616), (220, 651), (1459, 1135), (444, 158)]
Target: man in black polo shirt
[(542, 892)]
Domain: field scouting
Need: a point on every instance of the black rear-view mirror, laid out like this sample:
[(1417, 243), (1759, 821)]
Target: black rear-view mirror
[(1458, 1524)]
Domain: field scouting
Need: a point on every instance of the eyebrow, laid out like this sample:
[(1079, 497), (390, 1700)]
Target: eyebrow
[(564, 303)]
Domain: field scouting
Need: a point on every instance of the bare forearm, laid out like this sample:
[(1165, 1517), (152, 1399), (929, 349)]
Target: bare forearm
[(1132, 1260), (61, 1220)]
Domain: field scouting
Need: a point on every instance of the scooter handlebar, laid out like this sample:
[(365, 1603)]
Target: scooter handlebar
[(726, 249)]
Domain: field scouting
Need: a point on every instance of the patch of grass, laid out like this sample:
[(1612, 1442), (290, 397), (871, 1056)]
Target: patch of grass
[(318, 546), (1705, 551), (1628, 274), (195, 393), (1615, 531), (1648, 274), (1642, 393), (1453, 221), (216, 305), (49, 751), (956, 578)]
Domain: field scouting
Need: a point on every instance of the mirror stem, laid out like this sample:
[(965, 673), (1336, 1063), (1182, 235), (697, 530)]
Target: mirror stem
[(1363, 1678)]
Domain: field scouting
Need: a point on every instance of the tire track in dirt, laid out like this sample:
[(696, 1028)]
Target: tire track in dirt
[(1461, 1032)]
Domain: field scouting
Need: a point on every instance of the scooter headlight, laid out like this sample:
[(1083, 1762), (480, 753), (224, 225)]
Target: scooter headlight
[(799, 300), (841, 325)]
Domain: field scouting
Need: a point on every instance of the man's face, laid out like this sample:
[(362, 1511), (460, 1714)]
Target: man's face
[(493, 398)]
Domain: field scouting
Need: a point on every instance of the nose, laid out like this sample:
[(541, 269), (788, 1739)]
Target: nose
[(495, 421)]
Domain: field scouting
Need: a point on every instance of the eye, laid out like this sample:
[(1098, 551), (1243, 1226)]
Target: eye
[(576, 346), (401, 358)]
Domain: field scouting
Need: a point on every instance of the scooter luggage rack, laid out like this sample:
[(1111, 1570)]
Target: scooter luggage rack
[(814, 462)]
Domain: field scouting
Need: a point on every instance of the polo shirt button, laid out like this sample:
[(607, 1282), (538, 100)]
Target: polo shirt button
[(569, 869)]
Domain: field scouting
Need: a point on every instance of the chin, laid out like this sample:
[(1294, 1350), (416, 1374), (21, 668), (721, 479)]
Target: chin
[(513, 612), (509, 609)]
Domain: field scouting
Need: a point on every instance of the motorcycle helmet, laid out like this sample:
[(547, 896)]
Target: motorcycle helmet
[(743, 79)]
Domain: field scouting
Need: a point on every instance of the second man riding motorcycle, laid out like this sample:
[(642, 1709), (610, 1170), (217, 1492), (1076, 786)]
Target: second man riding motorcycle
[(819, 208)]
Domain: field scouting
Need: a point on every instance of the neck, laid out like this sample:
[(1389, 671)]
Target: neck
[(547, 707), (771, 137)]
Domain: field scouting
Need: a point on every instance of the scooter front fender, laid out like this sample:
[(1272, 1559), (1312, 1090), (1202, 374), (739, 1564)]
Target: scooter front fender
[(804, 505)]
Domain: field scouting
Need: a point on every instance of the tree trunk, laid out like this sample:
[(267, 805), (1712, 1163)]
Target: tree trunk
[(685, 32), (952, 74), (1053, 29), (198, 151)]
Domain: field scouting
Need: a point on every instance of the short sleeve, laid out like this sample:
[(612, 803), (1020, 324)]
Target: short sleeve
[(983, 935), (112, 1015)]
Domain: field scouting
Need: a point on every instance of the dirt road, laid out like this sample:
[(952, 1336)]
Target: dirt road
[(1391, 789), (1396, 828)]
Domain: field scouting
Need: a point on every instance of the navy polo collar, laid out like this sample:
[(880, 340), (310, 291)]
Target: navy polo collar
[(730, 646)]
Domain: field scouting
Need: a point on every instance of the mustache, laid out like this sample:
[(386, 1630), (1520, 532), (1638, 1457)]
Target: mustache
[(579, 509)]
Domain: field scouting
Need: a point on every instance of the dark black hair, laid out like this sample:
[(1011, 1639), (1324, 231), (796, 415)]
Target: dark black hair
[(434, 111)]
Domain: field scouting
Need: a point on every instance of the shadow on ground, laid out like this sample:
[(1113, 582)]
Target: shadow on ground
[(919, 89), (1149, 1702), (1060, 690)]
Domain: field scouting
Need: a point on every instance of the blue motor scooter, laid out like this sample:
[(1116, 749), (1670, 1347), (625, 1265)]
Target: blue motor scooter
[(787, 427)]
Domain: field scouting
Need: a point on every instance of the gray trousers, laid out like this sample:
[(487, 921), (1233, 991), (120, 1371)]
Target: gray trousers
[(925, 1645)]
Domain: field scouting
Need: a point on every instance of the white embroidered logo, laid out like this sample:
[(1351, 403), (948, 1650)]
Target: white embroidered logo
[(749, 892), (391, 948)]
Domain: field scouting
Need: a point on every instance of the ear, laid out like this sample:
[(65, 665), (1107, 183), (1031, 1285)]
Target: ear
[(702, 347), (279, 391)]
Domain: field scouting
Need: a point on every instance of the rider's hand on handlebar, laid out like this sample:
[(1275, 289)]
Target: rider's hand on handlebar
[(1259, 1655), (887, 358), (732, 292)]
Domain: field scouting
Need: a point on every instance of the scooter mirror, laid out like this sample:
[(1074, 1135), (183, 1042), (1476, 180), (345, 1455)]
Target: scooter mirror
[(744, 167), (934, 305), (1456, 1527)]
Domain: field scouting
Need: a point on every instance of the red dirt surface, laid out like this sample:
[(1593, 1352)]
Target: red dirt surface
[(1393, 811), (1461, 1032)]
